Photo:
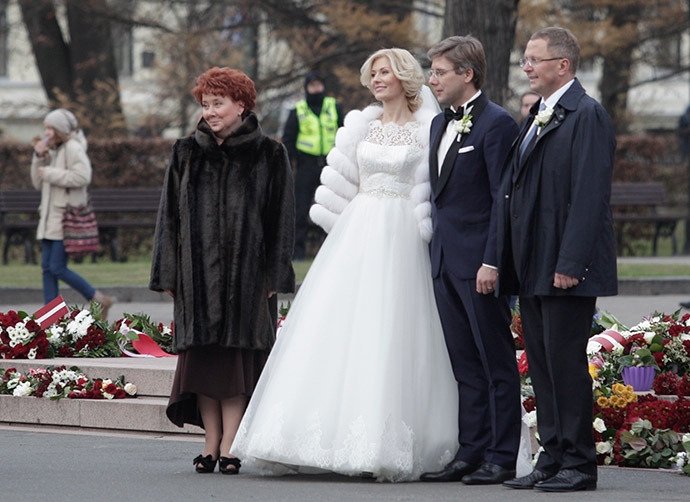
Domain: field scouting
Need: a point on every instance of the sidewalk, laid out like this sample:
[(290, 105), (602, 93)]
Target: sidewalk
[(67, 467)]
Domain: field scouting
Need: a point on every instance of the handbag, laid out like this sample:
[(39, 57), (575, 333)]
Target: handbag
[(80, 230)]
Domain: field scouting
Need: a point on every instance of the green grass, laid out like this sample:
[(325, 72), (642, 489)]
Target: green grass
[(630, 270), (104, 273), (136, 272)]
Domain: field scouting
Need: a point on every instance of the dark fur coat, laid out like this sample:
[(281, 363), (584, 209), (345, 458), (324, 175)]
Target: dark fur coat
[(224, 236)]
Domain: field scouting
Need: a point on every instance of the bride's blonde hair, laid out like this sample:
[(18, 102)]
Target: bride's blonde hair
[(405, 68)]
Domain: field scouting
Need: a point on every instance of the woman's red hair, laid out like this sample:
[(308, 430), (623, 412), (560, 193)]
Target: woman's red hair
[(226, 82)]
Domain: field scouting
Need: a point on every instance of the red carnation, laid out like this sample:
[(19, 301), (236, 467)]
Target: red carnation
[(530, 403), (111, 388), (683, 386), (523, 364), (666, 383)]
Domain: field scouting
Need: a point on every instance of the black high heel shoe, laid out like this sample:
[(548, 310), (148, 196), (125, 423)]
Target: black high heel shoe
[(205, 464), (227, 465)]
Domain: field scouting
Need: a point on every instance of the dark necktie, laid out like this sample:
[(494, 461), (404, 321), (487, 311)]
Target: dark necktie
[(457, 115), (532, 132)]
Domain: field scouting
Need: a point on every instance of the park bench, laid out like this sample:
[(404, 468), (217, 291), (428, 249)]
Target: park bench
[(116, 209), (638, 202)]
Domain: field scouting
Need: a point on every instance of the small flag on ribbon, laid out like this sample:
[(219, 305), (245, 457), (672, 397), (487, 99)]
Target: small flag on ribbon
[(605, 341), (52, 312)]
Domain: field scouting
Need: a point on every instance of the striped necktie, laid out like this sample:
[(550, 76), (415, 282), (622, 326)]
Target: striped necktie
[(531, 133)]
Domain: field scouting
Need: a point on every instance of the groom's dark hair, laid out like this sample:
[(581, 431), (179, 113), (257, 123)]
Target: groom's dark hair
[(464, 53)]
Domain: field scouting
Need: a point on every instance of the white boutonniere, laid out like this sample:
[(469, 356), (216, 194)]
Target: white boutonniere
[(543, 117), (464, 125)]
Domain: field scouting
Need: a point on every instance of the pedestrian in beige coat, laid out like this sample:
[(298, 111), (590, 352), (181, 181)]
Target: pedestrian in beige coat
[(61, 170)]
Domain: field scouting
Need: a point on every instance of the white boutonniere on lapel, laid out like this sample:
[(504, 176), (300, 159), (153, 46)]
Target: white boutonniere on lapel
[(543, 117), (463, 126)]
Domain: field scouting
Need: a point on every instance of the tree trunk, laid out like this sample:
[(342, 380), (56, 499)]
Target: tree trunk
[(49, 47), (617, 71), (81, 75), (93, 57), (492, 22)]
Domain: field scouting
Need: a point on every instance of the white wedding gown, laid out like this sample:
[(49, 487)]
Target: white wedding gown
[(359, 380)]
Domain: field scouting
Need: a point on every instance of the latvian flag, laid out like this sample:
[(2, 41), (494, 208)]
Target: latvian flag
[(605, 341), (52, 312)]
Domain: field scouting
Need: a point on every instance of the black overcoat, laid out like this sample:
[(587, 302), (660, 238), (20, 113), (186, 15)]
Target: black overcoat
[(224, 236), (556, 204)]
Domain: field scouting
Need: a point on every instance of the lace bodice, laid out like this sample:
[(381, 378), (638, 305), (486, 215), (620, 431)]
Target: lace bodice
[(387, 159)]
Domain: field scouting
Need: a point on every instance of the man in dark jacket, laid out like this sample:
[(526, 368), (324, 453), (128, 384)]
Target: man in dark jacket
[(464, 171), (309, 135), (557, 251)]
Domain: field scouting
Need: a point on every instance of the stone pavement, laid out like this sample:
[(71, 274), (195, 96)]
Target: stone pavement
[(64, 466)]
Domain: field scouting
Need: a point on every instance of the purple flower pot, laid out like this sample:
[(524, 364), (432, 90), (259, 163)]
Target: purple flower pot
[(640, 377)]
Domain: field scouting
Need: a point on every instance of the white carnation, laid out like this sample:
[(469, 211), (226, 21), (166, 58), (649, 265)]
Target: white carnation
[(603, 447), (23, 389), (530, 418)]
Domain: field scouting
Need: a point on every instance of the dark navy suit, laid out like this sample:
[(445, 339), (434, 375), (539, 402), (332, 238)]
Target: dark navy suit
[(476, 326), (554, 217)]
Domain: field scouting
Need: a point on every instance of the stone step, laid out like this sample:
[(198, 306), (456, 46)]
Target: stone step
[(141, 414), (152, 376), (144, 413)]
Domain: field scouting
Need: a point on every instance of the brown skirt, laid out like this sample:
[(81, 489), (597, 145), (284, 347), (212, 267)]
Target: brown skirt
[(217, 372)]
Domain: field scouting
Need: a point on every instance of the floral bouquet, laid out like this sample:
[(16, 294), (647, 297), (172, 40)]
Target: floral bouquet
[(80, 334), (131, 324), (62, 382), (22, 338)]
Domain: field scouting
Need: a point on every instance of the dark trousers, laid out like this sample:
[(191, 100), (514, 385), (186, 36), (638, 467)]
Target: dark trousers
[(556, 330), (307, 179), (482, 353)]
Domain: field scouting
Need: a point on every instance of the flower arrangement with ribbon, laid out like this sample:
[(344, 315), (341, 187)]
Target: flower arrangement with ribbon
[(56, 382), (80, 334), (21, 337)]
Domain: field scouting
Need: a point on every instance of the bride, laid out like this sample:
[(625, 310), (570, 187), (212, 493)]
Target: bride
[(359, 380)]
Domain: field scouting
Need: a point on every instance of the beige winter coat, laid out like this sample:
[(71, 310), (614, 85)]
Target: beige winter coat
[(65, 179)]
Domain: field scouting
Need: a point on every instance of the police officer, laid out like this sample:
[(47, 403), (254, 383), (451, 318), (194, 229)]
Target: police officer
[(309, 135)]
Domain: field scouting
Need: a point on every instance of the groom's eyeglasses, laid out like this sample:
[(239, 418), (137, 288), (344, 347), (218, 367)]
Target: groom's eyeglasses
[(438, 73)]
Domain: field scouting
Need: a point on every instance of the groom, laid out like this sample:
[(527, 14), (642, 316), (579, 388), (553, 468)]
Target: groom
[(469, 144)]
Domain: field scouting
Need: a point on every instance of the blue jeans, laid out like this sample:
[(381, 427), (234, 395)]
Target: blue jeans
[(54, 266)]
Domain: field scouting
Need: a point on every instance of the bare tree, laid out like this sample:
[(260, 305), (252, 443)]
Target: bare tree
[(274, 41), (622, 35), (78, 68)]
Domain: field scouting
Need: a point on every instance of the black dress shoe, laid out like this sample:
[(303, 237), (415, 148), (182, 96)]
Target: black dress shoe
[(568, 480), (453, 471), (488, 474), (685, 305), (527, 482)]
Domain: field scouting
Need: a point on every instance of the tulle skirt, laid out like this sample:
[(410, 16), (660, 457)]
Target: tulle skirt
[(359, 380)]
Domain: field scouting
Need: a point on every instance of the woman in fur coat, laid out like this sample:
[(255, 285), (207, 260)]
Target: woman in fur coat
[(223, 248), (359, 381), (61, 170)]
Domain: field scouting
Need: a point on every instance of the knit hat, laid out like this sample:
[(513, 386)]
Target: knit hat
[(62, 120), (311, 76)]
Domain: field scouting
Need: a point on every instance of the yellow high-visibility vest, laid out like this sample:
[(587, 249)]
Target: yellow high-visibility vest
[(316, 134)]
